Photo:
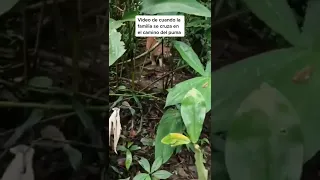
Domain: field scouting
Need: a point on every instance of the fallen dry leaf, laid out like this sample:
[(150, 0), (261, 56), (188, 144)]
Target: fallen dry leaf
[(115, 127), (182, 173), (20, 167)]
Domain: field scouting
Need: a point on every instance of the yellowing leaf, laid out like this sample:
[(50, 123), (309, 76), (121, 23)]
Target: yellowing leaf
[(175, 139)]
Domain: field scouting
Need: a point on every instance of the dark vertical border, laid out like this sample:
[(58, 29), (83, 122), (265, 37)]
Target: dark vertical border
[(212, 86), (107, 163)]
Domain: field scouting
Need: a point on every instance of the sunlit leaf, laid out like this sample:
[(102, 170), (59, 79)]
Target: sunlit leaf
[(175, 139), (128, 159), (162, 174), (129, 16), (142, 176), (156, 164), (168, 6), (116, 46), (202, 84), (193, 112), (145, 164), (187, 54)]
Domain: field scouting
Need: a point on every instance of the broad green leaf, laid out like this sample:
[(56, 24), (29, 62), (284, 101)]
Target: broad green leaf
[(85, 119), (6, 5), (34, 118), (168, 13), (170, 122), (189, 56), (175, 139), (128, 161), (193, 112), (121, 148), (142, 176), (162, 174), (113, 24), (145, 164), (40, 82), (278, 15), (125, 179), (218, 143), (116, 46), (129, 16), (218, 167), (305, 98), (202, 84), (234, 83), (208, 69), (89, 127), (265, 140), (74, 155), (311, 27), (208, 36), (156, 164), (168, 6), (129, 144), (201, 169), (134, 148), (198, 22)]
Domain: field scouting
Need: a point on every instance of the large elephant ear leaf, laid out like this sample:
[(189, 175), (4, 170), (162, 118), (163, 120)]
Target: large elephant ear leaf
[(278, 15), (234, 82), (265, 139), (311, 26)]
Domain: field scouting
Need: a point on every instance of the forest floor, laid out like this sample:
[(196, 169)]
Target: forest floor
[(140, 128)]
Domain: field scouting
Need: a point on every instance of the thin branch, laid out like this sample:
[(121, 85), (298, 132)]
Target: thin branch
[(11, 104), (70, 142)]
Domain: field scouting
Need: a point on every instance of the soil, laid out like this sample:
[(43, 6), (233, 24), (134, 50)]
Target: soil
[(152, 80)]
